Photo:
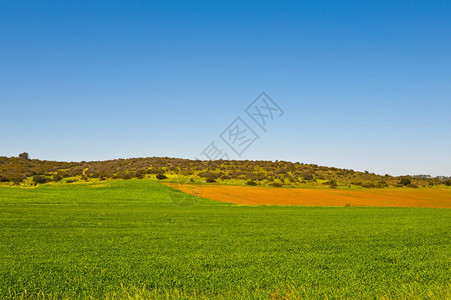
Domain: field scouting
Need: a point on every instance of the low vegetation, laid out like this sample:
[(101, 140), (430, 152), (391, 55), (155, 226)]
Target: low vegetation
[(23, 170)]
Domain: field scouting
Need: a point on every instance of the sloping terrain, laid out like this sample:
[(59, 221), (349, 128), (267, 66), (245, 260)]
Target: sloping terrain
[(23, 171)]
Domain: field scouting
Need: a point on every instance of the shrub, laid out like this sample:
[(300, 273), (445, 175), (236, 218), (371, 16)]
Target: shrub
[(17, 178), (210, 179), (405, 181), (331, 182), (140, 174), (447, 182), (276, 184), (161, 176), (412, 185), (381, 184), (251, 182), (307, 175), (40, 179), (57, 177), (208, 174), (368, 185)]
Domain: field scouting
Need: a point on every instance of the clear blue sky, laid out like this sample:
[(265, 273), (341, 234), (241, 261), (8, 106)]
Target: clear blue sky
[(363, 84)]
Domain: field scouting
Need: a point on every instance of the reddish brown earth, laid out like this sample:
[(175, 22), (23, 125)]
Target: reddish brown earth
[(389, 197)]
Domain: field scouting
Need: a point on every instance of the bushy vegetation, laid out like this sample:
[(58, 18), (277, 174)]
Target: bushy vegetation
[(161, 176), (265, 173), (405, 181), (40, 179), (17, 169)]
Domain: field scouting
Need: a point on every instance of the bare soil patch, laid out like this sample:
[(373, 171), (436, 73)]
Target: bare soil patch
[(402, 197)]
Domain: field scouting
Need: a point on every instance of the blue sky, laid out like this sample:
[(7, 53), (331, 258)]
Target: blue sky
[(363, 84)]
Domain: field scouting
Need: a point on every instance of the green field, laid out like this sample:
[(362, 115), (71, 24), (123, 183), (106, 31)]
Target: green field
[(127, 239)]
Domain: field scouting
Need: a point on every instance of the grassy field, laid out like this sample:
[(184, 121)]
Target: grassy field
[(128, 239)]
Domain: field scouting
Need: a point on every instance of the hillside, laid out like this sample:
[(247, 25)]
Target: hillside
[(20, 170)]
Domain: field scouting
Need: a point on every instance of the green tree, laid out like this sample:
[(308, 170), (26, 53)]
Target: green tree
[(161, 176), (24, 155), (405, 181), (57, 177), (307, 175), (40, 179)]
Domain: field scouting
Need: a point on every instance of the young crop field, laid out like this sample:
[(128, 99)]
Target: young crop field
[(141, 239)]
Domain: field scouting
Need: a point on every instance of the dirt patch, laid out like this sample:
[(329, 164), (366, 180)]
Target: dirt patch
[(324, 197)]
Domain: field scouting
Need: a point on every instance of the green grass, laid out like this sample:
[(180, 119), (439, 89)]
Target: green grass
[(127, 239)]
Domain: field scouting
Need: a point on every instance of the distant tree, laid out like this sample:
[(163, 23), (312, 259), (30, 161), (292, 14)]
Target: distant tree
[(412, 185), (40, 179), (17, 178), (332, 183), (161, 176), (447, 182), (24, 155), (405, 181), (57, 177), (368, 185), (382, 184), (307, 175), (208, 174)]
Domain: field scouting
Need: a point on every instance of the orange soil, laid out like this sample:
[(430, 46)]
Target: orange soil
[(322, 197)]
